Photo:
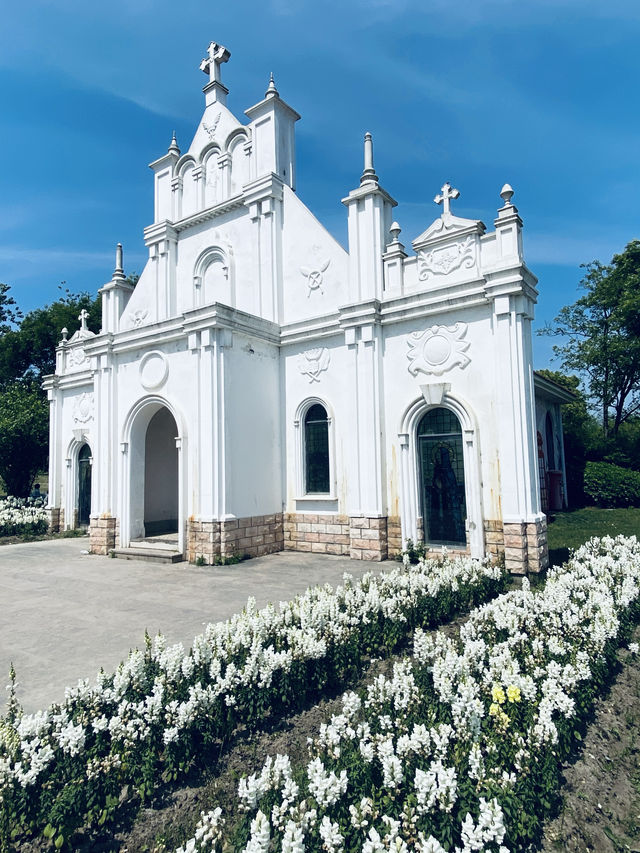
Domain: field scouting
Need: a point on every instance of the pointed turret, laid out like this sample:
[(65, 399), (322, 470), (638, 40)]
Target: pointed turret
[(115, 295), (369, 209), (273, 130)]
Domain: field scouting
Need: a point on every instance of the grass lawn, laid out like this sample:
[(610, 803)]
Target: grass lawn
[(572, 529)]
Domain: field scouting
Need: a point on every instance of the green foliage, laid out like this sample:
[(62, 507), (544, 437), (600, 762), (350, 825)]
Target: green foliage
[(24, 432), (28, 352), (611, 486), (603, 336), (10, 316)]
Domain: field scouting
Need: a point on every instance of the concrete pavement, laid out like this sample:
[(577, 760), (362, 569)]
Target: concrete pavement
[(65, 614)]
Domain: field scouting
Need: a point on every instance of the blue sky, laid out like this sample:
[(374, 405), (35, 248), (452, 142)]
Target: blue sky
[(542, 94)]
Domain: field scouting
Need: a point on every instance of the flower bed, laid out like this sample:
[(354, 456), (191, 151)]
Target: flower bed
[(164, 709), (461, 749), (19, 516)]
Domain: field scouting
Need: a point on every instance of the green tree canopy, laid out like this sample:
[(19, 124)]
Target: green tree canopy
[(602, 331), (28, 352), (24, 432)]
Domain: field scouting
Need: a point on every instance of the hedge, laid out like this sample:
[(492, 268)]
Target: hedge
[(610, 485)]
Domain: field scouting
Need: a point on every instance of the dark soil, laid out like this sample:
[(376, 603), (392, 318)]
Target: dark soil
[(600, 808)]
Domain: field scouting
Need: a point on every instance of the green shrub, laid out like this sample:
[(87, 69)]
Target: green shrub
[(609, 485)]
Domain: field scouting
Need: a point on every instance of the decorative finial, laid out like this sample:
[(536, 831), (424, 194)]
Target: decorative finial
[(369, 173), (448, 193), (173, 148), (271, 92), (119, 269), (64, 333), (395, 232), (506, 193), (83, 316), (216, 55)]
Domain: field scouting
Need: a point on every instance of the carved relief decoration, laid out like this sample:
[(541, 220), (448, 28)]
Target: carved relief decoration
[(445, 259), (77, 359), (83, 408), (154, 369), (312, 363), (138, 317), (211, 128), (314, 276), (438, 349)]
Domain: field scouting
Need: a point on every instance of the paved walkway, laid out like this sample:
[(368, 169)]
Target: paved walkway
[(65, 613)]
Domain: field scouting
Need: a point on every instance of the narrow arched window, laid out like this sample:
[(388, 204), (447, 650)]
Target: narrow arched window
[(441, 464), (316, 450)]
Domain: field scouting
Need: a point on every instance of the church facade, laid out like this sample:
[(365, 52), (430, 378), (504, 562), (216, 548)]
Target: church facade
[(260, 388)]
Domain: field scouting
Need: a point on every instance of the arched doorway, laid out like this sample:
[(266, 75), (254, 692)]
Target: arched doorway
[(84, 486), (441, 477), (161, 474)]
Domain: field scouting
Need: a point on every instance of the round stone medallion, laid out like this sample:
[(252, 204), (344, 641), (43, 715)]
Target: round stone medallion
[(437, 349), (153, 370)]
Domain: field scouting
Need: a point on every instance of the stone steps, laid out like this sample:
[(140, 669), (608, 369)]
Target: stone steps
[(150, 555)]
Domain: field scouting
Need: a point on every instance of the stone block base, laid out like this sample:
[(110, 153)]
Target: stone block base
[(394, 535), (56, 519), (317, 533), (525, 546), (102, 534), (368, 538), (255, 535)]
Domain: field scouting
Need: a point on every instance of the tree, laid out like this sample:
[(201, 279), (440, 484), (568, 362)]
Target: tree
[(603, 337), (28, 352), (24, 432), (9, 313)]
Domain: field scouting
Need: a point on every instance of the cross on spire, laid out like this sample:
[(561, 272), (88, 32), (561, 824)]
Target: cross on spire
[(216, 55), (445, 199), (83, 317)]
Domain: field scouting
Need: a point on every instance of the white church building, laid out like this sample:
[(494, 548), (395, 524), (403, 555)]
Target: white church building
[(261, 388)]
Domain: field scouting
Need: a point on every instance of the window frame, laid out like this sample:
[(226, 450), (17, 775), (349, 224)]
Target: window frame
[(301, 452)]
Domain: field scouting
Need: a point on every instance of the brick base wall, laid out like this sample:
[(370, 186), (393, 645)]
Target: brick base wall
[(394, 535), (368, 538), (255, 535), (317, 533), (525, 547), (56, 519), (102, 534), (493, 538)]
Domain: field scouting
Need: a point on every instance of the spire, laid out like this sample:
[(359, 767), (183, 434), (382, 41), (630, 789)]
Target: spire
[(272, 92), (119, 271), (173, 148), (369, 173)]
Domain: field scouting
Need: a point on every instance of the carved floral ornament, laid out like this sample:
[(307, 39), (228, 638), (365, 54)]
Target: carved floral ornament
[(438, 349), (83, 408), (445, 259), (313, 362), (314, 275), (76, 358)]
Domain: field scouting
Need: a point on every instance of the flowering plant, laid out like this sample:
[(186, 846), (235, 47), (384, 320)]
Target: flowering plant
[(165, 708), (22, 515), (461, 748)]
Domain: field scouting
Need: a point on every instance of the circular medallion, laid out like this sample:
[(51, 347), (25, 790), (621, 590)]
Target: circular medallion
[(437, 349), (153, 370)]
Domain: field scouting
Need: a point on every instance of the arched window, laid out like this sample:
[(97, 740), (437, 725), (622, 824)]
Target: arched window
[(440, 454), (317, 476), (84, 485), (551, 458)]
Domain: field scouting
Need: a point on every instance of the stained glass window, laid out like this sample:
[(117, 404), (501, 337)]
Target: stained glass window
[(444, 513), (316, 450)]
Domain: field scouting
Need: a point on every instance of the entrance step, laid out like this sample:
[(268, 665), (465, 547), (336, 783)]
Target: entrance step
[(161, 548)]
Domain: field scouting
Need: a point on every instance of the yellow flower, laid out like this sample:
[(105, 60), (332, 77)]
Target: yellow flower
[(494, 710), (497, 694), (513, 693)]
